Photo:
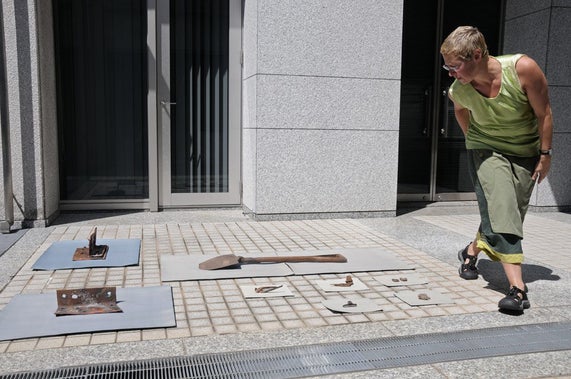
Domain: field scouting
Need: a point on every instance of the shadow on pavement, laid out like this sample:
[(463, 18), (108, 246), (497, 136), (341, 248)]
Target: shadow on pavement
[(493, 273), (9, 239)]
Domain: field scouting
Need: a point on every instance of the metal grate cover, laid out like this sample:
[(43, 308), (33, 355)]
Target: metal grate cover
[(332, 358)]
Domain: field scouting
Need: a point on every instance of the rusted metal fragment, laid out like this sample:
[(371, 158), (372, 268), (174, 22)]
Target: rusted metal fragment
[(348, 282), (266, 289), (87, 301), (352, 305), (91, 252)]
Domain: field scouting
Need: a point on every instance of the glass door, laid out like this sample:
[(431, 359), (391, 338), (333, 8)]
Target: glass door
[(199, 47), (417, 100), (101, 86), (432, 156)]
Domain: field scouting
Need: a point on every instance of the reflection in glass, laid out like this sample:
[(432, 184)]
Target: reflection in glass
[(199, 87), (101, 73)]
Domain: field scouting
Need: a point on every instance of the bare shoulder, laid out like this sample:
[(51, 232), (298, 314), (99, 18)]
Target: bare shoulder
[(526, 64), (529, 72)]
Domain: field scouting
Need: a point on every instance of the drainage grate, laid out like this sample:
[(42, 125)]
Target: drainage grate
[(331, 358)]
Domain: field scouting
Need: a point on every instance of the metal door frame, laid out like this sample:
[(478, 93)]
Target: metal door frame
[(435, 115), (160, 195)]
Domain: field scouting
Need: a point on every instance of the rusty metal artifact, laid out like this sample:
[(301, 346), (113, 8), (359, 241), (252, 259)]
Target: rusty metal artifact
[(266, 289), (423, 296), (87, 301), (348, 282), (234, 261), (91, 252)]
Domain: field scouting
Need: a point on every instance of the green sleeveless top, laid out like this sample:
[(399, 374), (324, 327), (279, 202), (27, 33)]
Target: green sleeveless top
[(505, 123)]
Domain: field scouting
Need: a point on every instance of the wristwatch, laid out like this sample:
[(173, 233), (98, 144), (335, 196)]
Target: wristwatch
[(546, 152)]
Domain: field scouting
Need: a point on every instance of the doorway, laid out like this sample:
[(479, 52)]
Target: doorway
[(148, 95), (432, 156), (198, 91)]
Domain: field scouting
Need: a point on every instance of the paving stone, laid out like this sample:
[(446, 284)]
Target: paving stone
[(213, 308), (77, 340)]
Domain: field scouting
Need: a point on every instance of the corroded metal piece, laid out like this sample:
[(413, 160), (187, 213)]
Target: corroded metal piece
[(348, 282), (87, 301), (266, 289), (234, 261), (91, 252)]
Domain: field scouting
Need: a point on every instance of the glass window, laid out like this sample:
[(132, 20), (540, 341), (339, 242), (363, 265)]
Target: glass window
[(101, 71), (199, 83)]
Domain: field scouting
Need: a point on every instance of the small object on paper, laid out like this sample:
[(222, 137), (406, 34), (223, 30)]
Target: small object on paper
[(266, 289), (269, 290), (401, 280), (347, 283), (352, 305), (338, 285)]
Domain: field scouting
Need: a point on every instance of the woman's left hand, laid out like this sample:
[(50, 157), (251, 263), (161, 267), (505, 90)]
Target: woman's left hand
[(542, 168)]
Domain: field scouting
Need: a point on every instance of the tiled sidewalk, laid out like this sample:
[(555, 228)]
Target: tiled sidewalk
[(217, 307), (545, 241)]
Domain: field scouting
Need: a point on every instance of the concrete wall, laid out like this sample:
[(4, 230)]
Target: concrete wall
[(321, 92), (48, 110), (540, 28), (31, 97)]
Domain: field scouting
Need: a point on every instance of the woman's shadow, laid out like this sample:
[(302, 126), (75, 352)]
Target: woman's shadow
[(493, 273)]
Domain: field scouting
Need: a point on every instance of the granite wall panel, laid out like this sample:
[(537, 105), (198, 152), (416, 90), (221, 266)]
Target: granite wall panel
[(321, 106), (541, 29), (316, 171)]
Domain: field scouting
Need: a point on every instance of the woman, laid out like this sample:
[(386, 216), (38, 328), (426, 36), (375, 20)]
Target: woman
[(502, 106)]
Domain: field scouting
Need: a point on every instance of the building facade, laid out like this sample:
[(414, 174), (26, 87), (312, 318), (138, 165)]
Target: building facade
[(286, 108)]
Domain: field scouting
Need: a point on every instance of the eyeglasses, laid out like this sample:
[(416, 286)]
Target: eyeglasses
[(452, 68)]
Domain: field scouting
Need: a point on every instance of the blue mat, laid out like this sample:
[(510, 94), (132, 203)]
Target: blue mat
[(122, 252), (32, 315), (9, 239)]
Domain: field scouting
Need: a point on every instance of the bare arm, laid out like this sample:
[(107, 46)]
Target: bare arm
[(462, 116), (534, 84)]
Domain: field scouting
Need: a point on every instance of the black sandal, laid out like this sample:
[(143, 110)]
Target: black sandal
[(468, 270), (514, 302)]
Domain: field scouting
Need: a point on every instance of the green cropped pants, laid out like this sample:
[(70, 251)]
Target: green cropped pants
[(503, 187)]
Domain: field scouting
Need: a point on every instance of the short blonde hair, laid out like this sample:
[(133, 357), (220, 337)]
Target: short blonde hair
[(462, 43)]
